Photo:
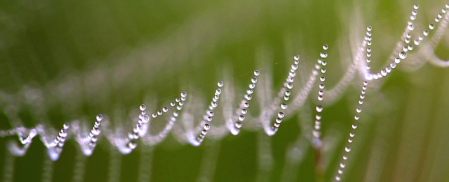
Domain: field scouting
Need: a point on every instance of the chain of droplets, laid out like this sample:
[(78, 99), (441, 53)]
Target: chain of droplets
[(55, 146), (319, 108), (402, 55), (285, 93), (243, 107), (207, 118)]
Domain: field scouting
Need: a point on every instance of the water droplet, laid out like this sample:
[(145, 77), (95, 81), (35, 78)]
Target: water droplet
[(320, 98), (359, 110), (294, 67), (356, 117), (337, 178), (425, 32), (143, 107), (99, 117), (287, 93), (254, 80), (340, 171), (431, 26), (319, 108), (410, 47), (66, 125), (368, 67), (252, 85), (351, 134), (249, 91), (323, 70), (164, 109), (342, 165), (323, 63), (281, 115), (354, 126), (256, 73), (416, 6), (323, 55), (416, 42), (325, 47), (322, 78), (284, 106), (348, 149), (177, 99), (402, 55), (241, 117), (350, 140), (159, 113), (172, 104), (220, 84), (238, 124), (321, 86), (410, 27), (369, 28), (296, 57), (132, 144)]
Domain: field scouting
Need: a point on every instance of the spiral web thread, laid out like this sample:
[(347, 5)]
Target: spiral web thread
[(285, 103)]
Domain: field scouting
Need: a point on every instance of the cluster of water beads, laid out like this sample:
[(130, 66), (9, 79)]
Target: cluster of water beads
[(207, 118), (319, 108), (285, 94), (352, 134), (95, 131), (243, 107)]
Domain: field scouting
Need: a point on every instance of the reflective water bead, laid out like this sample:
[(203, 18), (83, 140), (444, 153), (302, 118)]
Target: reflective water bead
[(241, 117), (281, 115), (354, 126), (321, 86), (284, 106), (323, 55), (256, 73), (416, 6), (348, 149), (323, 63), (99, 117), (356, 117), (254, 80), (143, 107), (431, 26), (66, 125), (359, 110), (296, 57), (319, 108), (323, 70), (425, 32), (351, 134), (322, 78), (325, 47), (402, 55), (164, 109), (369, 28)]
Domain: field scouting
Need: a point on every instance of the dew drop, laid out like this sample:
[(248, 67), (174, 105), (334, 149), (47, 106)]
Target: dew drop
[(284, 106), (164, 109), (322, 78), (281, 115), (143, 107), (323, 62), (323, 55), (369, 28), (238, 124), (321, 86), (359, 110), (320, 98), (325, 47), (66, 125), (256, 73), (342, 165), (99, 117), (183, 94), (348, 149), (132, 144), (254, 80), (402, 55), (416, 6), (425, 32), (296, 57), (241, 117), (220, 84), (319, 108), (351, 134), (354, 126), (431, 26), (356, 117)]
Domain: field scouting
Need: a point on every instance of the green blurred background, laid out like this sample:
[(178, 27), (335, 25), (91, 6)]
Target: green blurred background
[(95, 56)]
